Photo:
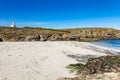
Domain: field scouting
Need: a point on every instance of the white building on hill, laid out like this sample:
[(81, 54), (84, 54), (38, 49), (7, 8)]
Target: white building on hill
[(13, 24)]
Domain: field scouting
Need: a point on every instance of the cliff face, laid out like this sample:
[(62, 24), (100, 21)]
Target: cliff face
[(35, 34)]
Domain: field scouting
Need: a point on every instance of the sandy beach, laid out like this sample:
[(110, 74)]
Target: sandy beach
[(43, 60)]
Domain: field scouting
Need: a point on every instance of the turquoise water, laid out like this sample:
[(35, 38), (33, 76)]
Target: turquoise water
[(108, 43)]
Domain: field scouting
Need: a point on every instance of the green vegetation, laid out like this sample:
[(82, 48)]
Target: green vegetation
[(79, 34), (30, 27), (75, 66), (97, 65), (112, 61)]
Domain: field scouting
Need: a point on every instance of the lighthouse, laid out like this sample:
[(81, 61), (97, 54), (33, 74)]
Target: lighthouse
[(13, 25)]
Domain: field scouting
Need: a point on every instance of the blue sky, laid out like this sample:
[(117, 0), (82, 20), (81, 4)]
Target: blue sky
[(61, 13)]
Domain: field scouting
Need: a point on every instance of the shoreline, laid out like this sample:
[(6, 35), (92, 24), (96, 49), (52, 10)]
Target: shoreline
[(43, 60), (105, 49)]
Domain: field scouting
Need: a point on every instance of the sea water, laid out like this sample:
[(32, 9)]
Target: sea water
[(108, 43)]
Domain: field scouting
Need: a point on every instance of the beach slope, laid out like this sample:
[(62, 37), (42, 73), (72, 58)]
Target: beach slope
[(42, 60)]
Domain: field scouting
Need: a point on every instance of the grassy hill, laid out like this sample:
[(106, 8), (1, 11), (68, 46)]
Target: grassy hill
[(44, 34)]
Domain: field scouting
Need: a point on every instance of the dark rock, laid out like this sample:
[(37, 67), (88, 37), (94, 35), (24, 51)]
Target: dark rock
[(100, 65), (1, 40), (57, 36), (32, 38)]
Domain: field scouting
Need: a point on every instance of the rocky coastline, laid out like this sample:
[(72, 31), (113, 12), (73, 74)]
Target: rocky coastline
[(101, 68), (41, 34)]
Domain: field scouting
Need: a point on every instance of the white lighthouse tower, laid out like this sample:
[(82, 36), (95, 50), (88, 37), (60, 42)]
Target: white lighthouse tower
[(13, 24)]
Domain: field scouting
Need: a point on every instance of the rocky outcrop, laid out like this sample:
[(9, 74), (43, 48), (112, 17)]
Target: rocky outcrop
[(1, 40), (80, 34), (118, 35), (57, 36), (104, 76), (98, 65), (101, 68)]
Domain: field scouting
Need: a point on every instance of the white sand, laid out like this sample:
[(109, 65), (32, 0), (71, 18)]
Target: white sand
[(39, 60)]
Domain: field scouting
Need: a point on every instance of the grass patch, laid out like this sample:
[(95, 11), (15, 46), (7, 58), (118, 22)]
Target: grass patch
[(75, 66), (29, 27)]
